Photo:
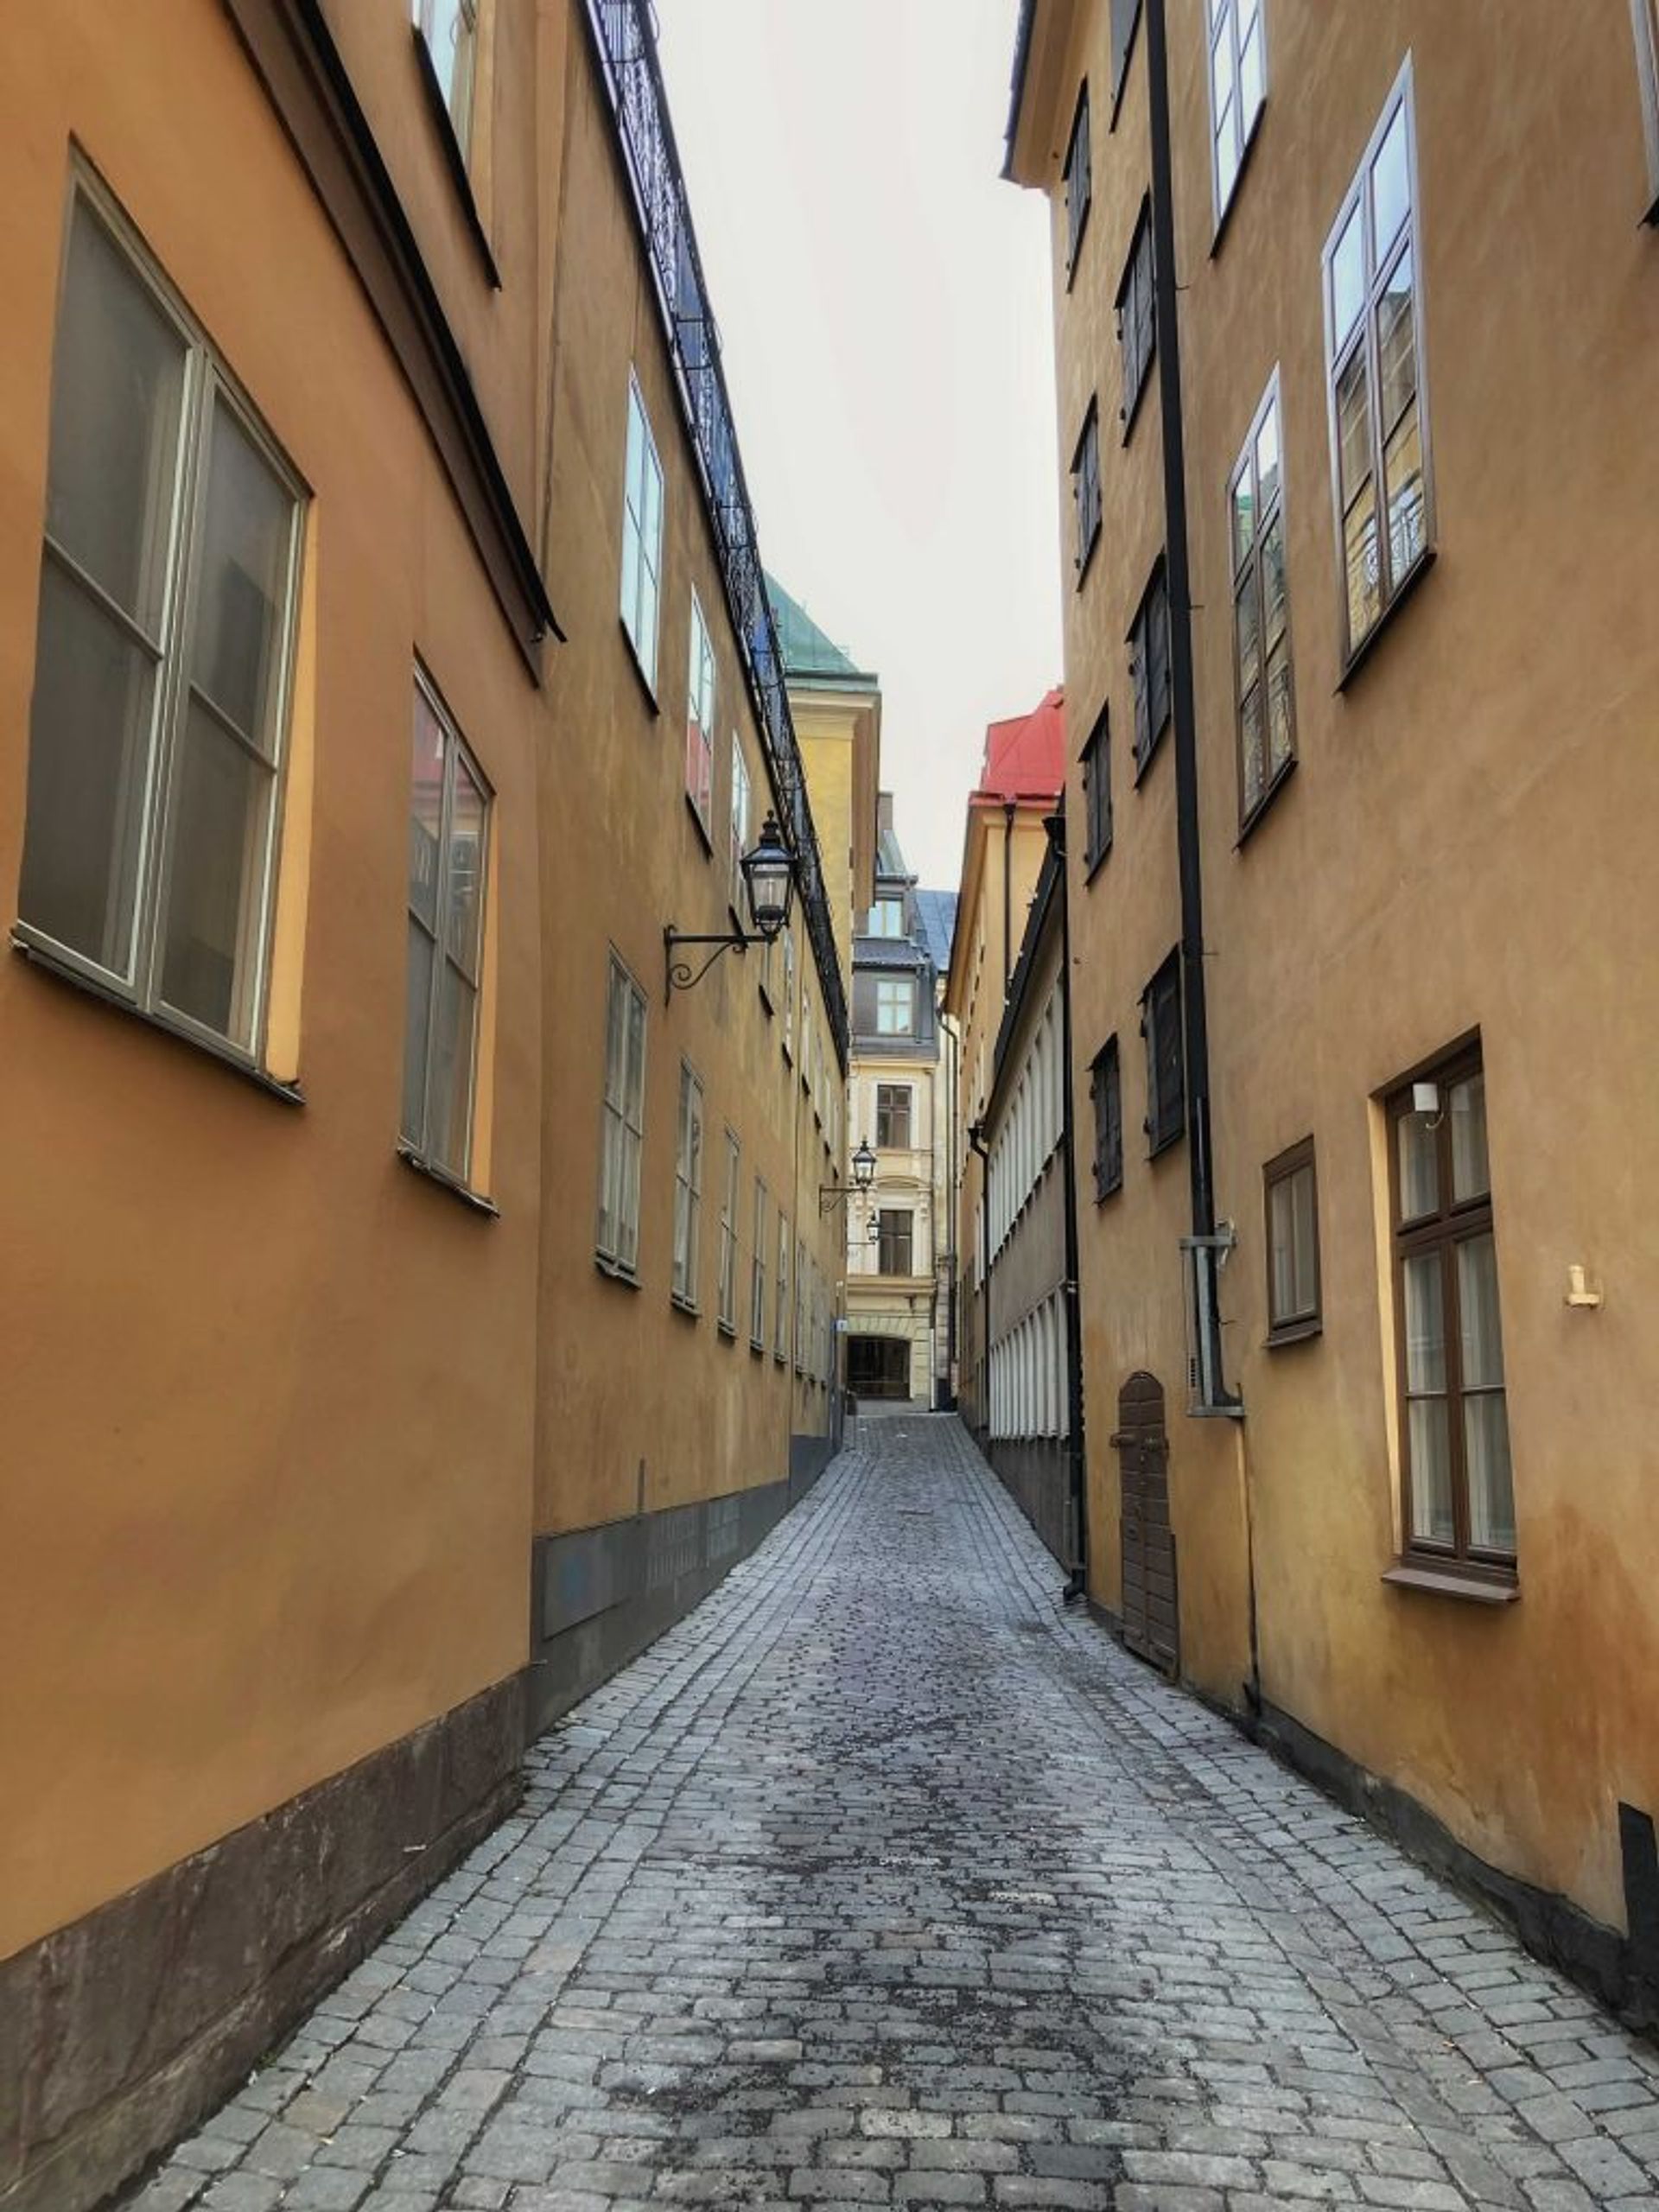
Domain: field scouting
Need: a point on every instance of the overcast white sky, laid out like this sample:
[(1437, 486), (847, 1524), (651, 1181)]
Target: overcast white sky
[(883, 302)]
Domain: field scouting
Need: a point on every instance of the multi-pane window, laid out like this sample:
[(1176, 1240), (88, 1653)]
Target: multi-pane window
[(642, 534), (1097, 794), (1291, 1202), (448, 826), (623, 1127), (1374, 343), (789, 991), (1148, 643), (892, 1117), (1644, 21), (758, 1270), (887, 917), (1238, 79), (780, 1304), (739, 829), (1459, 1502), (1263, 693), (1161, 1024), (896, 1006), (162, 657), (1125, 16), (895, 1246), (700, 721), (802, 1293), (1106, 1089), (1085, 489), (450, 31), (1078, 180), (728, 1237), (687, 1188), (1137, 321)]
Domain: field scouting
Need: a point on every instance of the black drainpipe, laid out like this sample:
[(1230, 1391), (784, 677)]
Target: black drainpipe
[(1008, 896), (976, 1140), (1077, 1462)]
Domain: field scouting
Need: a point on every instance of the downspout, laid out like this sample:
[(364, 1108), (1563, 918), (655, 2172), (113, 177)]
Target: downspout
[(1008, 811), (1076, 1456), (976, 1140), (952, 1085)]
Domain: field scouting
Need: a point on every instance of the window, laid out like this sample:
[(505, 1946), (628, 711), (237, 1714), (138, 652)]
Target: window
[(1078, 180), (887, 917), (1293, 1211), (728, 1238), (687, 1188), (1263, 693), (896, 1006), (1374, 345), (162, 650), (624, 1121), (780, 1307), (700, 723), (894, 1245), (1137, 321), (642, 536), (1097, 795), (1644, 18), (802, 1293), (448, 857), (1125, 16), (1455, 1423), (758, 1270), (1161, 1024), (739, 829), (892, 1117), (1148, 643), (1238, 73), (1106, 1089), (450, 31), (789, 991), (1085, 489)]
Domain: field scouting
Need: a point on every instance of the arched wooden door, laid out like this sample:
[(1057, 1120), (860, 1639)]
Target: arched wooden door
[(1151, 1597)]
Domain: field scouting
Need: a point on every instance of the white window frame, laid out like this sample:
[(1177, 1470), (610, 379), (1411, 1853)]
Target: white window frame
[(701, 692), (687, 1190), (460, 91), (637, 513), (1232, 24), (780, 1304), (887, 984), (1644, 22), (728, 1288), (789, 991), (206, 385), (457, 755), (622, 1124), (740, 794), (758, 1272), (878, 912)]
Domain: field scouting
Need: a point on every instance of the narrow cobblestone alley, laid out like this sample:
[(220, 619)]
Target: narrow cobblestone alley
[(883, 1880)]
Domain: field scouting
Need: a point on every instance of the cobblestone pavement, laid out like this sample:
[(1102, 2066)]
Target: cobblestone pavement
[(882, 1881)]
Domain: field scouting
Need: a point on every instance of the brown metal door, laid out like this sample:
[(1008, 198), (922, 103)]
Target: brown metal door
[(1151, 1604)]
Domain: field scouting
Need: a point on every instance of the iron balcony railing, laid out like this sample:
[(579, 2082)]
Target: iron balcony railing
[(626, 37)]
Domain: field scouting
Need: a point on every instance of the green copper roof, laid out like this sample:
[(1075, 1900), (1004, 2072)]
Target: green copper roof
[(808, 656)]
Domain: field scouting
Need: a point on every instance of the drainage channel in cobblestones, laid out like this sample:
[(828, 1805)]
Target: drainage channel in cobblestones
[(883, 1880)]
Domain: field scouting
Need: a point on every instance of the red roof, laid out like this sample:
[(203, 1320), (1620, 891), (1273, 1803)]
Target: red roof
[(1025, 758)]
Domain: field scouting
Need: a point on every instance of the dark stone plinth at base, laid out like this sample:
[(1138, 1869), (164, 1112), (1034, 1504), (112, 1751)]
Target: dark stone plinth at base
[(119, 2031)]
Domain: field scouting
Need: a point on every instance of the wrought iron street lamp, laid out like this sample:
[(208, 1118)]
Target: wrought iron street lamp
[(835, 1194), (768, 872)]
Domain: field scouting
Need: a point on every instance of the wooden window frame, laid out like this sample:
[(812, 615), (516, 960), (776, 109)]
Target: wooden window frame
[(1136, 311), (622, 1129), (1363, 339), (890, 1242), (758, 1271), (1248, 572), (1085, 490), (900, 1091), (894, 982), (1148, 732), (633, 522), (1079, 186), (689, 1140), (1125, 16), (1097, 762), (726, 1297), (780, 1294), (1292, 1328), (1162, 1132), (1106, 1090), (1454, 1223)]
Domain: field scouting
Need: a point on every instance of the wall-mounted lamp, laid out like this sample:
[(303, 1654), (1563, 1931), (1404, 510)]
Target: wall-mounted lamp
[(835, 1194), (768, 884)]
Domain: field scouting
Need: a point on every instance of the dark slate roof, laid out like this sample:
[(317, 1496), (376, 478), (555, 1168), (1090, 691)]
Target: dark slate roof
[(808, 655), (887, 952), (935, 920)]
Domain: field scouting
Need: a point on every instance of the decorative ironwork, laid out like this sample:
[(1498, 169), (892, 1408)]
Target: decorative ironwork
[(680, 976), (626, 37)]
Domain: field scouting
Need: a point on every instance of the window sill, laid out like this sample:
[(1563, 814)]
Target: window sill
[(1091, 867), (688, 1306), (1141, 765), (781, 1358), (1156, 1151), (728, 1330), (455, 159), (1110, 1191), (1448, 1582), (431, 1173), (1225, 216), (758, 1349), (1293, 1332), (1384, 621), (37, 955), (704, 833), (1248, 825), (615, 1271), (765, 1000), (645, 684)]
